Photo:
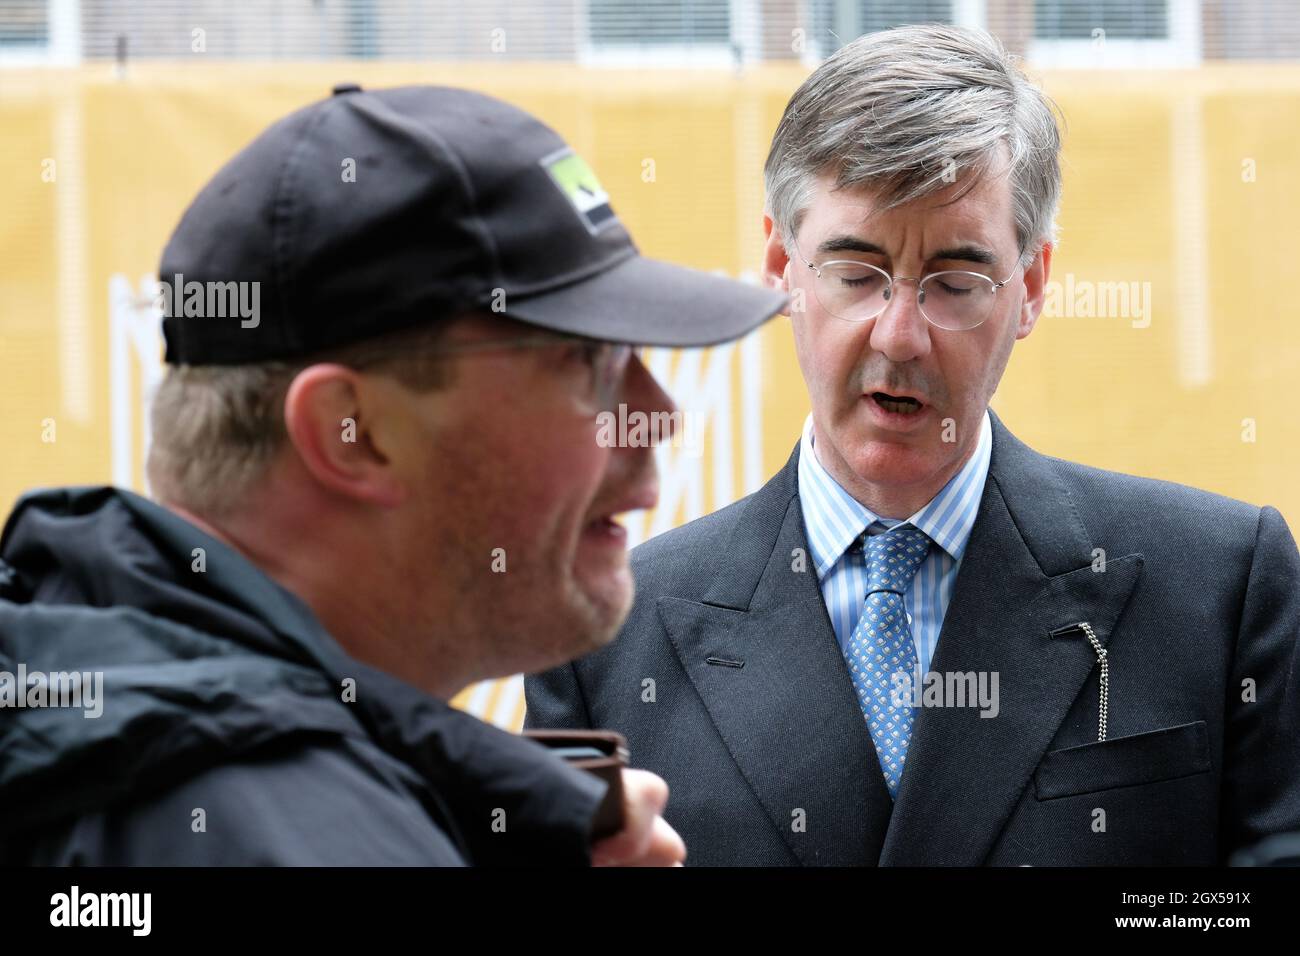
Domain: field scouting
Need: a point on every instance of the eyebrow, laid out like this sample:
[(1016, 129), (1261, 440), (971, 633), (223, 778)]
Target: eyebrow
[(963, 253)]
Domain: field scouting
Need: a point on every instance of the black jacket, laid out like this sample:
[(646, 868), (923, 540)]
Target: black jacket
[(224, 736), (756, 727)]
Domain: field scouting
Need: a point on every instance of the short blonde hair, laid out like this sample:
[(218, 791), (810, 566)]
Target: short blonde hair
[(216, 428)]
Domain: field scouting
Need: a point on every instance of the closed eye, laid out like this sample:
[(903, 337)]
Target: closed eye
[(954, 291)]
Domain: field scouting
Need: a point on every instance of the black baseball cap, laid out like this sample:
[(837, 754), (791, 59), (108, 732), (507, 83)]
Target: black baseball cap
[(370, 212)]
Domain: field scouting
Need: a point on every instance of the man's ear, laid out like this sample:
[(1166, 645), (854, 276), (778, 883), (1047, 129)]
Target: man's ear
[(775, 259), (1036, 276), (328, 412)]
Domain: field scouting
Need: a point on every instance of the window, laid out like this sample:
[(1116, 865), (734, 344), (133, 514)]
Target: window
[(1121, 19), (1116, 33), (659, 22), (39, 32), (23, 25), (837, 22), (671, 33)]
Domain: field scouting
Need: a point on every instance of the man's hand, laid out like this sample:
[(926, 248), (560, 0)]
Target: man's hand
[(646, 838)]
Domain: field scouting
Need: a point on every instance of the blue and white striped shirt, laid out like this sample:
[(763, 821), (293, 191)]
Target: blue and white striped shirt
[(833, 520)]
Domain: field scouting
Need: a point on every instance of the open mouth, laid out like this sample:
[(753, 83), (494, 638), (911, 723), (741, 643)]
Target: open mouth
[(609, 526), (898, 405), (605, 531)]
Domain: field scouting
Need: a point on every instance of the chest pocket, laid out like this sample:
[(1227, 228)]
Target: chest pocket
[(1164, 754)]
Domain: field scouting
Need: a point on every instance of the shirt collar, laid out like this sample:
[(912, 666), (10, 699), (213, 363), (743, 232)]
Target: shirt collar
[(834, 519)]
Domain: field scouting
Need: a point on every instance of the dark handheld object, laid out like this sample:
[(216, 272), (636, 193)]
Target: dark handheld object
[(601, 752)]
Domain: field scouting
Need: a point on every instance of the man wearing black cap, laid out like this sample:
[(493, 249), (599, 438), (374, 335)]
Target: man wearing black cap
[(392, 323)]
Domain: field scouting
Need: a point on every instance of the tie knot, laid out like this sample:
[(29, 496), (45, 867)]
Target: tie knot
[(893, 557)]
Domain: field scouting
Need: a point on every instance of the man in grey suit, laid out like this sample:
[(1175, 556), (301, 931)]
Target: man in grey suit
[(922, 642)]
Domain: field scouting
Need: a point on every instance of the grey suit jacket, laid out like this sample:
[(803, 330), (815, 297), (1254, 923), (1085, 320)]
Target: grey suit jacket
[(727, 681)]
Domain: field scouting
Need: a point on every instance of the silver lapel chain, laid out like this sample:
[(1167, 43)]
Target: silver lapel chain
[(1104, 681)]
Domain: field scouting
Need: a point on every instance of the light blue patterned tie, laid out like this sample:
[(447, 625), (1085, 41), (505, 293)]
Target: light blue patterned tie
[(881, 645)]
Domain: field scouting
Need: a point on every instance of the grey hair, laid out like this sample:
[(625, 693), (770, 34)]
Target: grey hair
[(906, 112), (216, 428)]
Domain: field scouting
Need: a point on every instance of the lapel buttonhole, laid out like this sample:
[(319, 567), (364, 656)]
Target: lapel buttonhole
[(723, 662)]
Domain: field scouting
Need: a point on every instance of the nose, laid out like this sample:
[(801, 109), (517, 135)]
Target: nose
[(901, 332), (643, 393)]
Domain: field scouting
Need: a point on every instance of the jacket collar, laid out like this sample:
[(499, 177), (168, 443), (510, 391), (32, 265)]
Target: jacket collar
[(209, 664), (834, 519)]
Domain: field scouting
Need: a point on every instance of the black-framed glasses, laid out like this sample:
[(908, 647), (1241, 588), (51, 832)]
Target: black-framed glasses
[(607, 361), (954, 299)]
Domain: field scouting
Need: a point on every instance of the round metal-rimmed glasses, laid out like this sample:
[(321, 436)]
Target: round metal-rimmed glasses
[(953, 299)]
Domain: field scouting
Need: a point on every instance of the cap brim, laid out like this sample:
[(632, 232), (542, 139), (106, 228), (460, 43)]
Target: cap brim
[(647, 302)]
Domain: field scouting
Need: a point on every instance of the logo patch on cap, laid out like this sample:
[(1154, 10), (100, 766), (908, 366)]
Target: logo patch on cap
[(580, 186)]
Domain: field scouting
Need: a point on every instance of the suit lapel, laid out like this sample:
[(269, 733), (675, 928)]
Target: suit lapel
[(1026, 572), (762, 654), (763, 657)]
